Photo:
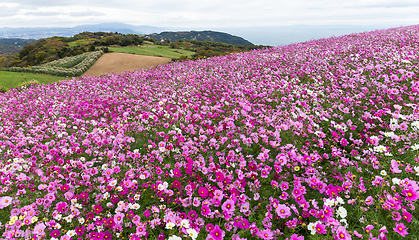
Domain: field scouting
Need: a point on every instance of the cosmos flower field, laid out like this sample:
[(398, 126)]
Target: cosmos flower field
[(315, 140)]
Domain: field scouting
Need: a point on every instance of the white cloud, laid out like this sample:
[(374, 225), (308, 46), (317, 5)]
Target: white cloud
[(207, 14)]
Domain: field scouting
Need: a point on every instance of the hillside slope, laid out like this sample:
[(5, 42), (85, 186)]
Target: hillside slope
[(200, 36), (13, 45)]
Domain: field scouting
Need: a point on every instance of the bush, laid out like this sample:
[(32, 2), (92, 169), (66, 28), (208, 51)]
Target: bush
[(26, 85), (3, 89)]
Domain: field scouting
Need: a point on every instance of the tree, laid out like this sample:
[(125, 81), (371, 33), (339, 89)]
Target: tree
[(174, 45)]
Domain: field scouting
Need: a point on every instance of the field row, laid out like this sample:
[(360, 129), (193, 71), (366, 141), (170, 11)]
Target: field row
[(69, 66)]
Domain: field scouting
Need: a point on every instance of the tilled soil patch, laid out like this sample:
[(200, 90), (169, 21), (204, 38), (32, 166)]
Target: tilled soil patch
[(121, 62)]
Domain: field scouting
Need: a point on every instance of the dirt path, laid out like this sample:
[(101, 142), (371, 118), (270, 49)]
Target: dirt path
[(121, 62)]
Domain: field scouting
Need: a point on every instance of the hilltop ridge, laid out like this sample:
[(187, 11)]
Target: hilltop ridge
[(208, 35)]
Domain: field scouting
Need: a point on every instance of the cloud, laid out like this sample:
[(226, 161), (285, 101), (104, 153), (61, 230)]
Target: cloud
[(8, 9), (42, 14), (87, 14)]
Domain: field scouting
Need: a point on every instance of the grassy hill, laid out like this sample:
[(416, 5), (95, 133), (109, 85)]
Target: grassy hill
[(154, 50), (13, 79), (33, 57), (199, 36)]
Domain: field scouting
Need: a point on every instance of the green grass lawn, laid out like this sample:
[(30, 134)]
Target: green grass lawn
[(14, 79), (154, 50)]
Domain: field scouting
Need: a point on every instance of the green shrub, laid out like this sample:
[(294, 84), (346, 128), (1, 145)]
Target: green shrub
[(26, 85), (3, 89)]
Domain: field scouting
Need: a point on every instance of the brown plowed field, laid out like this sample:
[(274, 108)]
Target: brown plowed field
[(121, 62)]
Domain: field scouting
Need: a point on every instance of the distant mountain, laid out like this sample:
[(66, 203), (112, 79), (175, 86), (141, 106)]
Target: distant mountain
[(200, 36), (46, 32)]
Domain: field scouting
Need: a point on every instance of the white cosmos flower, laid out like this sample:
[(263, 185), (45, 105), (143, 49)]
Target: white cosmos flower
[(192, 233), (184, 223), (174, 237), (345, 222), (395, 181), (312, 227), (342, 212), (169, 225)]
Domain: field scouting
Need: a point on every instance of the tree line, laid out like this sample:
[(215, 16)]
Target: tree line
[(54, 48)]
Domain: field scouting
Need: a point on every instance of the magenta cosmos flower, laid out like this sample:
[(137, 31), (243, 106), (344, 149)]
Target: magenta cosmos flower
[(401, 229), (411, 194), (98, 208), (203, 192), (295, 237), (320, 228), (217, 233)]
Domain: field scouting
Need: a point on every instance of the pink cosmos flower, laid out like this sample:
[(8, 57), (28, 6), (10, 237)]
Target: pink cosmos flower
[(295, 237), (296, 192), (228, 206), (342, 234), (218, 195), (368, 229), (66, 237), (383, 232), (39, 229), (357, 234), (5, 201), (407, 216), (284, 196), (97, 208), (283, 211), (118, 218), (401, 229), (344, 142), (395, 166), (62, 207), (369, 201), (284, 185), (203, 192), (411, 194), (205, 210), (177, 172), (265, 234), (320, 228), (217, 233), (396, 216), (209, 227)]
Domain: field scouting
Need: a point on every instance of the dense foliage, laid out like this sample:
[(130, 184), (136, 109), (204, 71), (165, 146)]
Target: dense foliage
[(107, 38), (13, 45), (51, 49), (316, 140), (199, 36), (206, 49)]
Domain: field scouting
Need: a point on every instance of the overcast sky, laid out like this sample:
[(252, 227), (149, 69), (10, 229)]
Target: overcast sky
[(240, 17), (207, 14)]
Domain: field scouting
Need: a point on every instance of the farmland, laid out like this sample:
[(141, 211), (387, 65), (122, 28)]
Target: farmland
[(154, 50), (314, 140), (14, 79)]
